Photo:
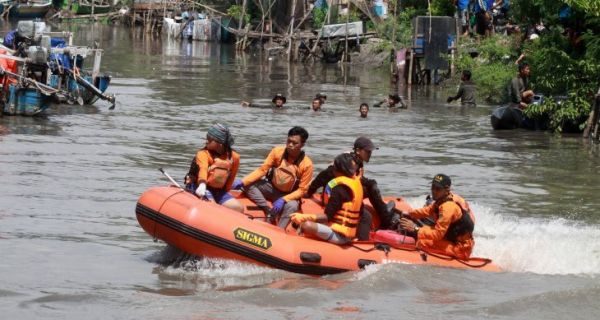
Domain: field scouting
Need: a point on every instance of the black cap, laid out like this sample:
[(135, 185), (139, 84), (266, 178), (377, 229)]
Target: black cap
[(364, 143), (441, 180), (321, 96), (279, 96)]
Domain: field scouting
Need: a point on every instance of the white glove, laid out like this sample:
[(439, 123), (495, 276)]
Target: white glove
[(201, 190)]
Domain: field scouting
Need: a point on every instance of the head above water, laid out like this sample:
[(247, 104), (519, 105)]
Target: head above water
[(321, 96), (296, 139), (440, 186), (364, 110), (344, 165), (279, 99), (394, 98), (316, 104)]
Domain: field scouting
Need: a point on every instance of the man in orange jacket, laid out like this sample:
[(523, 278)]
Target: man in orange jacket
[(452, 233), (288, 173)]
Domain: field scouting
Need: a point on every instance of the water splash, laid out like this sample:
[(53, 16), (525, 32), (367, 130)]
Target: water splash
[(543, 246)]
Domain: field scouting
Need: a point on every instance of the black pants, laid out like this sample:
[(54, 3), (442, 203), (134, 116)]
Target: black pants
[(371, 191), (364, 225)]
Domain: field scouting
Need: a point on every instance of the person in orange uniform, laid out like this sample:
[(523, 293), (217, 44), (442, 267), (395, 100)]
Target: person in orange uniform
[(343, 205), (452, 233), (214, 167), (288, 172)]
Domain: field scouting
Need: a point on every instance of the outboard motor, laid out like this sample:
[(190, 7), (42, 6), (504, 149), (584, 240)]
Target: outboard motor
[(37, 54)]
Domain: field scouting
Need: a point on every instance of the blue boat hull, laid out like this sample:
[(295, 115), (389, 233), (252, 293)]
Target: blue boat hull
[(25, 101)]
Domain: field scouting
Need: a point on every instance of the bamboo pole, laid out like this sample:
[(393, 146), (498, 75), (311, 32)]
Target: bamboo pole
[(293, 15), (346, 35)]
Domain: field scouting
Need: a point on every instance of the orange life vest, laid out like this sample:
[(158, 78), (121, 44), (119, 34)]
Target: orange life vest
[(284, 177), (218, 173), (464, 225), (345, 221)]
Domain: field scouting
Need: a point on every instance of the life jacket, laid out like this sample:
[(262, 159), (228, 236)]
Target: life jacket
[(345, 221), (284, 176), (218, 172), (462, 226)]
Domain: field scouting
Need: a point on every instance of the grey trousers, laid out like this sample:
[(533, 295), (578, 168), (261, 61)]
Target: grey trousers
[(262, 190)]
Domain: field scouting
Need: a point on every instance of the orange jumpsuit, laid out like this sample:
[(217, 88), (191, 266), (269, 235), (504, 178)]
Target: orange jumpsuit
[(434, 238)]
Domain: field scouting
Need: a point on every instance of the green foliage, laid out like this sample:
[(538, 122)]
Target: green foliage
[(403, 28), (442, 8), (235, 11), (492, 69), (319, 15), (559, 70)]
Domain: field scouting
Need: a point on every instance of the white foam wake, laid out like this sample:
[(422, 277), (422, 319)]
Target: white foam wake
[(544, 246)]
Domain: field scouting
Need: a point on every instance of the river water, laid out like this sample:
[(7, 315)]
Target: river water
[(71, 247)]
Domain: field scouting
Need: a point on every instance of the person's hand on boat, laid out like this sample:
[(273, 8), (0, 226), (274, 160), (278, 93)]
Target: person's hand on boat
[(237, 184), (407, 224), (201, 190), (278, 205), (299, 218)]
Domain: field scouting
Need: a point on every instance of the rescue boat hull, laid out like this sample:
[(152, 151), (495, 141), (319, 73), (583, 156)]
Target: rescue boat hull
[(203, 228)]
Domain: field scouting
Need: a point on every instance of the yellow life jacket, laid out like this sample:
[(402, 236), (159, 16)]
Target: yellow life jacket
[(345, 221), (218, 173), (284, 177)]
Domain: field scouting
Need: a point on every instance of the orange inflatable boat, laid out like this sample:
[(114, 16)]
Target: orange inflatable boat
[(204, 228)]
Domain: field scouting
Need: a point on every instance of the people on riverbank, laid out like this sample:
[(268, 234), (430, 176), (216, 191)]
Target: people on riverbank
[(521, 94), (213, 169), (277, 103), (343, 200), (452, 233), (393, 101), (364, 110), (362, 150), (283, 178), (466, 91)]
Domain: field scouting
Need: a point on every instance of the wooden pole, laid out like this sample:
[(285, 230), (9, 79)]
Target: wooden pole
[(293, 15), (346, 37)]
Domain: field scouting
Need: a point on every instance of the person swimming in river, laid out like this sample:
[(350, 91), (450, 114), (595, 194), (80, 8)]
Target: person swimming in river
[(277, 103), (393, 102), (364, 110)]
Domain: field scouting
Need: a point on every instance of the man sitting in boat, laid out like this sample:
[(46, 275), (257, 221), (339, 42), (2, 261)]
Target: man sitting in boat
[(521, 94), (214, 167), (343, 198), (363, 147), (278, 101), (452, 233), (288, 172)]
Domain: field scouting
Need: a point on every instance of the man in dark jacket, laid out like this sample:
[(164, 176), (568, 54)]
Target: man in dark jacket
[(363, 147)]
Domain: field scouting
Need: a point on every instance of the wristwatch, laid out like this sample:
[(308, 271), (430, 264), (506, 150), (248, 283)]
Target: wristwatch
[(417, 229)]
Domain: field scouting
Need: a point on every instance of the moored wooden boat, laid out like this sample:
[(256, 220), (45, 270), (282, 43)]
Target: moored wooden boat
[(30, 9), (86, 7)]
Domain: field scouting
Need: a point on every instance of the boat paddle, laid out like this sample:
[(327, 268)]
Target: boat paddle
[(178, 185)]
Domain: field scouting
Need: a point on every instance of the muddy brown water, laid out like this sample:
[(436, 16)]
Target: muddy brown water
[(71, 247)]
